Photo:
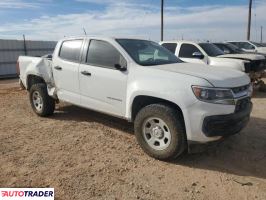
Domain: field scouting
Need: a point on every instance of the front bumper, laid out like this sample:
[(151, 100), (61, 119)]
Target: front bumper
[(207, 122), (225, 125)]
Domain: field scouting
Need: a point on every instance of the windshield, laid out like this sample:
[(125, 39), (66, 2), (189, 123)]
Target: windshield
[(148, 53), (233, 48), (211, 49), (257, 44)]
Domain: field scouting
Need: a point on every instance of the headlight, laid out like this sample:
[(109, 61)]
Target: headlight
[(250, 90), (214, 95)]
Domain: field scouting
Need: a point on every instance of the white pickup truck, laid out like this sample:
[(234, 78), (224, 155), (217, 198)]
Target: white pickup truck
[(249, 46), (172, 104), (204, 53)]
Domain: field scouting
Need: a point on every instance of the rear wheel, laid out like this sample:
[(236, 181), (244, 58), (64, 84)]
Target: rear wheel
[(160, 131), (41, 103)]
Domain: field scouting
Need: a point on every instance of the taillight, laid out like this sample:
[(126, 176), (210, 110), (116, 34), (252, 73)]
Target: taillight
[(17, 68)]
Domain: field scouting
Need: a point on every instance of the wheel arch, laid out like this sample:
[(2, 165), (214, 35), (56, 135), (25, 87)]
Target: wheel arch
[(33, 79), (141, 101)]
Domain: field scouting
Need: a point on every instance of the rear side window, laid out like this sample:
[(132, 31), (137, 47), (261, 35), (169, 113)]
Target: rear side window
[(70, 50), (170, 46), (187, 50), (103, 54)]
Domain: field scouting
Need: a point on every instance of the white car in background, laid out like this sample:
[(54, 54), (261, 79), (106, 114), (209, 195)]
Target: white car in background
[(204, 53), (249, 46), (257, 61)]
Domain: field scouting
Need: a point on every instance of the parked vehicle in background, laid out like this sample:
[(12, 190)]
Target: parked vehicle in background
[(172, 104), (204, 53), (249, 46), (257, 61)]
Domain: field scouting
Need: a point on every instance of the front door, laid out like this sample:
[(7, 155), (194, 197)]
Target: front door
[(187, 53), (102, 86)]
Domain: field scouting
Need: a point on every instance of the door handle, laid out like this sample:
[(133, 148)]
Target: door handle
[(86, 73), (58, 68)]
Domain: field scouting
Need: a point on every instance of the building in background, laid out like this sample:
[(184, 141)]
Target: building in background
[(10, 50)]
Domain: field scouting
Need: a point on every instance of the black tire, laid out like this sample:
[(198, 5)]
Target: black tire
[(48, 103), (174, 120)]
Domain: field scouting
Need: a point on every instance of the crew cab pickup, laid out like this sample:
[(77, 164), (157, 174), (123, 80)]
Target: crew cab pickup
[(204, 53), (172, 104)]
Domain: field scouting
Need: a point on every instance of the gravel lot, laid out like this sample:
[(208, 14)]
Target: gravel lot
[(86, 155)]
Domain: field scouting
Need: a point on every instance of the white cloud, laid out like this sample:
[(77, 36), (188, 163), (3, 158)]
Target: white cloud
[(128, 19), (17, 4)]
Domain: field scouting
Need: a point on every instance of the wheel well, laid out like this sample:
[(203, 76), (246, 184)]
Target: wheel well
[(142, 101), (32, 79)]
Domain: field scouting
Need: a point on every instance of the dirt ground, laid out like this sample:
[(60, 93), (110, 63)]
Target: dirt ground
[(86, 155)]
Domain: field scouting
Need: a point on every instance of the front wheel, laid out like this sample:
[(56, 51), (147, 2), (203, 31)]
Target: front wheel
[(160, 131), (41, 103)]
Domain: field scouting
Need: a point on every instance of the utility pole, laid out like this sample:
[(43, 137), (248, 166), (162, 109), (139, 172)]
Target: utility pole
[(162, 23), (25, 46), (261, 30), (249, 19)]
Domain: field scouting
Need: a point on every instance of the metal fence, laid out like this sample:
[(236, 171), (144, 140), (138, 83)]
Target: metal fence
[(10, 50)]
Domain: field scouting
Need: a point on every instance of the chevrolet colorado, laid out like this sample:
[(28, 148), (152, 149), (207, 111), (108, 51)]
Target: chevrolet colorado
[(172, 104)]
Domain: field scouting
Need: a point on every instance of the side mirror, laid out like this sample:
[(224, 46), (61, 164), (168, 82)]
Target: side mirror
[(120, 67), (198, 55)]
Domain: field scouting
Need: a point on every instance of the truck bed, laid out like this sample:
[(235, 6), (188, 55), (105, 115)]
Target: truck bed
[(38, 66)]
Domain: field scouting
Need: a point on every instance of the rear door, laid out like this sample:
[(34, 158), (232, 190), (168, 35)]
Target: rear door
[(66, 70), (102, 86), (186, 54)]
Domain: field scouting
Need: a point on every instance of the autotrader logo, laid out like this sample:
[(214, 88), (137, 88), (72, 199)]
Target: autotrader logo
[(26, 193)]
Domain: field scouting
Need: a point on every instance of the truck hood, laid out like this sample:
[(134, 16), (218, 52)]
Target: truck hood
[(261, 50), (243, 56), (225, 60), (217, 76)]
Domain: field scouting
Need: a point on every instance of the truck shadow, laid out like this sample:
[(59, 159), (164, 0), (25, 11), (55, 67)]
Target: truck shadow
[(67, 112), (242, 154), (258, 94)]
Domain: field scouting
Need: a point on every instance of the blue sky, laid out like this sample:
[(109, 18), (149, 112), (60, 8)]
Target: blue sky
[(190, 19)]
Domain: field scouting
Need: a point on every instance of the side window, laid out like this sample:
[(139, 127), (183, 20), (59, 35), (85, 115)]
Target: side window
[(246, 45), (103, 54), (187, 50), (170, 46), (70, 50)]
